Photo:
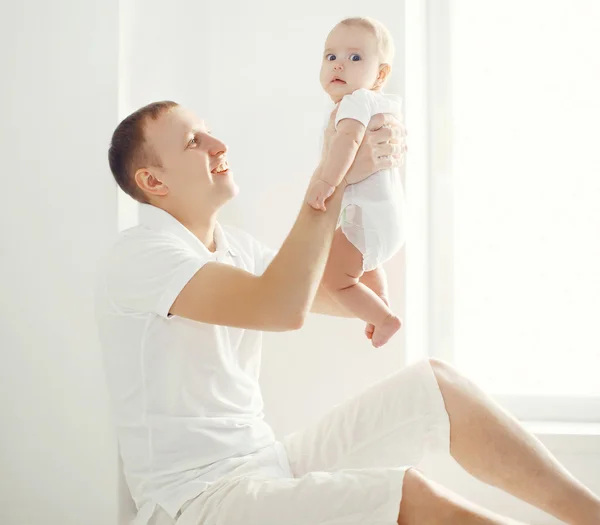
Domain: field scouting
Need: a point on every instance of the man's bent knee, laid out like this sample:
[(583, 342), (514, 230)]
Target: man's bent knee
[(454, 386), (421, 500), (441, 367), (444, 372)]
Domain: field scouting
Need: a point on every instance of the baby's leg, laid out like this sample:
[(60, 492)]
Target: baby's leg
[(342, 280), (376, 281)]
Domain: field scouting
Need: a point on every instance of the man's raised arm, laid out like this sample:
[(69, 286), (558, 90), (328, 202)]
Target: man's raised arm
[(278, 300)]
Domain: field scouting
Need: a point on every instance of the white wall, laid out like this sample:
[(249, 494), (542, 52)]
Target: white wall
[(58, 105)]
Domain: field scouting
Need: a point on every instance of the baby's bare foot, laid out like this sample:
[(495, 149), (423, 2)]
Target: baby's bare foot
[(369, 329), (384, 332)]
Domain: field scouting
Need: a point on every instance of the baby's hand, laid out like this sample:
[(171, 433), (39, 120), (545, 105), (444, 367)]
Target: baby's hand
[(318, 192)]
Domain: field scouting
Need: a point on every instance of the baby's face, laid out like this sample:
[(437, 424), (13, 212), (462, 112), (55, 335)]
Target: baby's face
[(350, 61)]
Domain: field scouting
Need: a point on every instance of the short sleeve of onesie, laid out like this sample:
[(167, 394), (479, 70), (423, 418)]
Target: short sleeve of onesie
[(357, 106), (363, 104)]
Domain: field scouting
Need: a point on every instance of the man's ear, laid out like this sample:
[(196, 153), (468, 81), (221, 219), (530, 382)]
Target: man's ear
[(384, 72), (149, 182)]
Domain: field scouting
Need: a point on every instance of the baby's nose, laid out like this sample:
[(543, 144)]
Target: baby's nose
[(338, 67)]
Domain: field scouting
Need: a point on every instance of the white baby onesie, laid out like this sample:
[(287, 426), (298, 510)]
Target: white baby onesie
[(372, 215)]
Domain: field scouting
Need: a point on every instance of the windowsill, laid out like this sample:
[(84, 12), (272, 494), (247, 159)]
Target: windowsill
[(569, 438)]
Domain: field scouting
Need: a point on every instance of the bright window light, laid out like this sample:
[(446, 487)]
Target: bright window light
[(525, 92)]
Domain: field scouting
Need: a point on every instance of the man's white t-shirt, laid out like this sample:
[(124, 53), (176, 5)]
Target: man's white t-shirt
[(186, 397)]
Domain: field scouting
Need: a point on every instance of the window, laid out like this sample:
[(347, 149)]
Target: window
[(514, 198)]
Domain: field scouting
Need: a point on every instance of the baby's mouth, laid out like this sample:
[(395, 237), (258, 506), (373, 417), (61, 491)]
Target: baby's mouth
[(338, 81)]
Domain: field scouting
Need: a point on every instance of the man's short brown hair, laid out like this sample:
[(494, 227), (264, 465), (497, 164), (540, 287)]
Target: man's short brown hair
[(129, 150)]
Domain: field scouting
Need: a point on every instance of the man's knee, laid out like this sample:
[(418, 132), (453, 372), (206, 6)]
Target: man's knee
[(452, 383), (421, 500), (416, 486), (445, 372)]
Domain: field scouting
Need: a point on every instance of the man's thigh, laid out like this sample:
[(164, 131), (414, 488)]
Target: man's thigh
[(394, 423), (347, 497)]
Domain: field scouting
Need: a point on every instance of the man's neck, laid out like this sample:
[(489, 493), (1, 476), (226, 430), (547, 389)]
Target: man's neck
[(202, 226)]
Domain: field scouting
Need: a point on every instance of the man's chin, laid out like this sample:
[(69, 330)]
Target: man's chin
[(229, 190), (235, 189)]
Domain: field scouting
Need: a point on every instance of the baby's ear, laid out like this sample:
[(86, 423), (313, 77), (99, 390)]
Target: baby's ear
[(384, 73)]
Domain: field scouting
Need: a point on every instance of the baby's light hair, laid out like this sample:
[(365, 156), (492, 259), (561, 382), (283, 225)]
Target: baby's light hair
[(382, 34)]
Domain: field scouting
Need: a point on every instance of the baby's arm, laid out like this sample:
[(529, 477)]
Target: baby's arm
[(344, 145)]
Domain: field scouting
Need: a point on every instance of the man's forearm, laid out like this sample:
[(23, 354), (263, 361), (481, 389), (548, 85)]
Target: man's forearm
[(292, 279)]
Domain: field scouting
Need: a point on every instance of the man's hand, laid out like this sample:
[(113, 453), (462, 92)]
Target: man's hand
[(383, 147)]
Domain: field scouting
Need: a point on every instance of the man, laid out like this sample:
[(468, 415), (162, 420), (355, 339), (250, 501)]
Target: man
[(181, 306)]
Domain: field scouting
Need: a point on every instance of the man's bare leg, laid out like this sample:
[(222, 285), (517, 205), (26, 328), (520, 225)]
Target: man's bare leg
[(425, 502), (494, 447)]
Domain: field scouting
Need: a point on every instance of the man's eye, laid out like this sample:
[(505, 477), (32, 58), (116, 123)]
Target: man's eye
[(330, 57), (354, 57)]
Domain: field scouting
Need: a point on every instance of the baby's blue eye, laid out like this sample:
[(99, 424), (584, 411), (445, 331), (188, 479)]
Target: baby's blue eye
[(330, 57), (354, 57)]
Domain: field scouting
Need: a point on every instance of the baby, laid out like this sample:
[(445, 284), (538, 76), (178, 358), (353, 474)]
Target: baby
[(356, 64)]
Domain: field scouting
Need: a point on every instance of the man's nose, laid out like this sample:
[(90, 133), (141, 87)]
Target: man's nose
[(217, 147)]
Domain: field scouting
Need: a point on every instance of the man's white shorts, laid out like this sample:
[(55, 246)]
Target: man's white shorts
[(347, 469)]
